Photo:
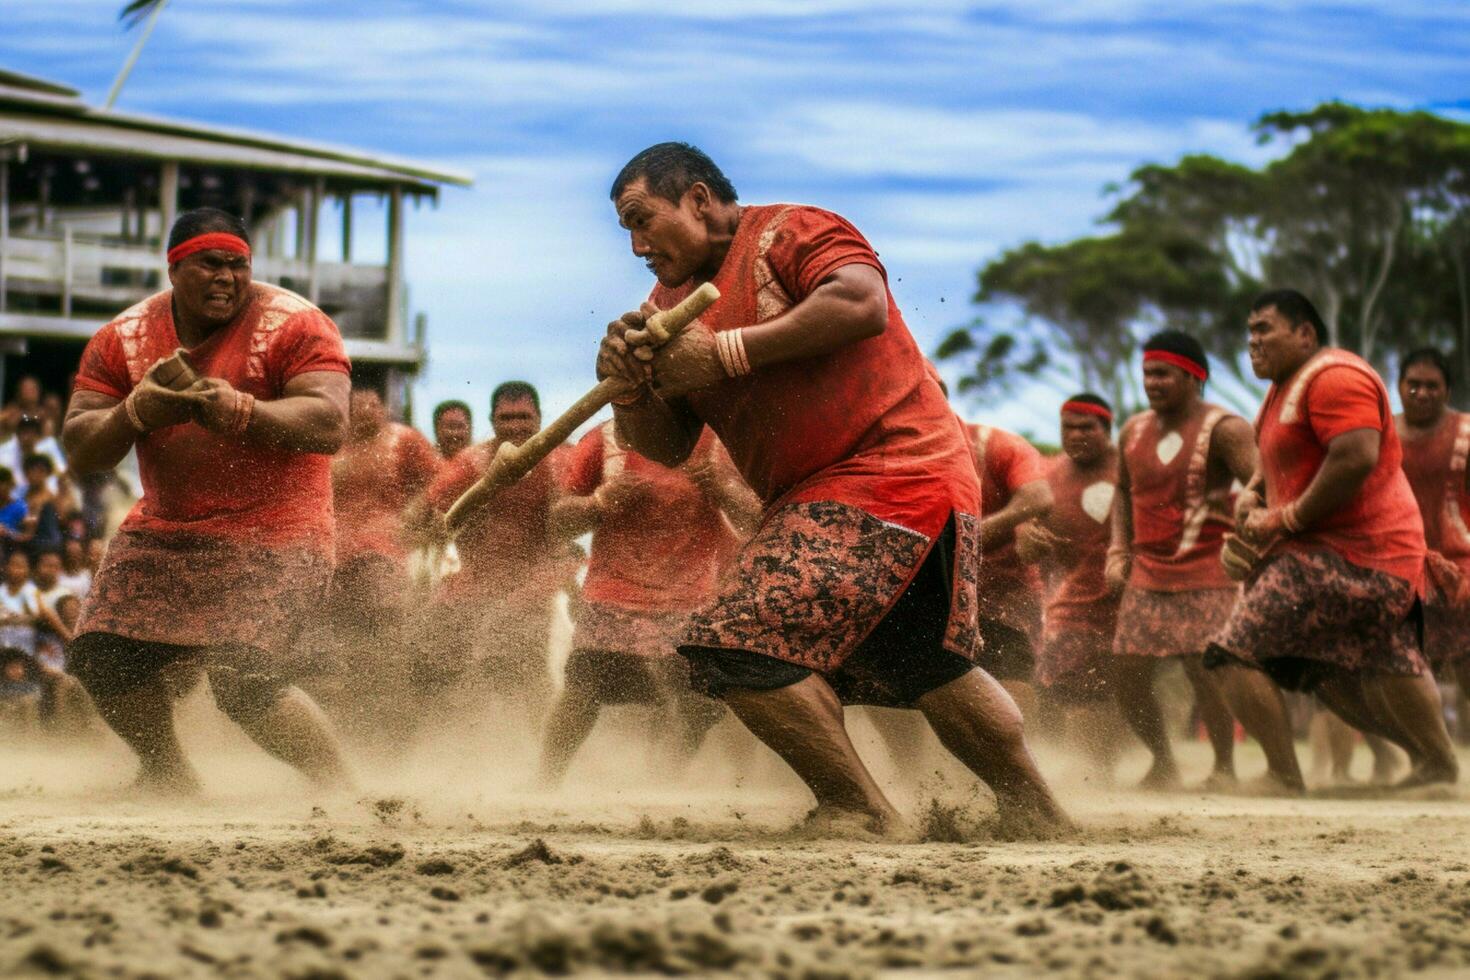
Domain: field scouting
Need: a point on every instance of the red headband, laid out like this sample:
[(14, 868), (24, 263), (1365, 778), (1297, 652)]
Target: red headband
[(221, 240), (1088, 408), (1185, 364)]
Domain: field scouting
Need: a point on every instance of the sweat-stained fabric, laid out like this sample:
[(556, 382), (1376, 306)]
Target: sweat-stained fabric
[(1081, 612), (1435, 464), (1344, 594), (232, 542), (856, 454), (1010, 592)]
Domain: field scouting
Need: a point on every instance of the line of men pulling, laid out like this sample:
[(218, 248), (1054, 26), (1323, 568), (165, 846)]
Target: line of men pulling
[(784, 500)]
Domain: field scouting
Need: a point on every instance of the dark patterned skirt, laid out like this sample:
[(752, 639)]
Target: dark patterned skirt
[(1446, 631), (818, 577), (1170, 624), (604, 627), (1305, 615), (1074, 664), (198, 591)]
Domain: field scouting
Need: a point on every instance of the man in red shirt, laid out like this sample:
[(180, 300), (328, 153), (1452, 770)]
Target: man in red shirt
[(381, 472), (1436, 441), (1013, 490), (660, 538), (1331, 604), (1071, 543), (860, 586), (496, 610), (453, 428), (229, 551), (1179, 460)]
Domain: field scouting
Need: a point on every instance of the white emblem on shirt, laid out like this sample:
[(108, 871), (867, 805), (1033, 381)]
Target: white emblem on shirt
[(1097, 500), (1169, 447)]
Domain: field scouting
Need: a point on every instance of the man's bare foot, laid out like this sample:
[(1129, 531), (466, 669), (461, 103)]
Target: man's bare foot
[(1219, 781), (1269, 785), (826, 820), (1015, 821), (1385, 768), (174, 782), (1426, 774), (1161, 777)]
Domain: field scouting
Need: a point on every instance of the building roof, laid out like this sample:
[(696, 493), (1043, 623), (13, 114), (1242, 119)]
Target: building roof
[(47, 115)]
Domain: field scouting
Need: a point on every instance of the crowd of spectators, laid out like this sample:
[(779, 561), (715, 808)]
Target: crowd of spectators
[(51, 539)]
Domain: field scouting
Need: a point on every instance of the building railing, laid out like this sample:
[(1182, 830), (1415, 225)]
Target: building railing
[(69, 272)]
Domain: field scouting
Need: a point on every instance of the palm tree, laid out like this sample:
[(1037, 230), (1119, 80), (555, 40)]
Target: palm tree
[(133, 13)]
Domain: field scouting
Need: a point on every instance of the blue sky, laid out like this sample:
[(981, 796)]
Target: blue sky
[(947, 131)]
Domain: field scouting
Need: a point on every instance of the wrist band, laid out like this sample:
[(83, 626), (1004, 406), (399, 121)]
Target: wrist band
[(130, 406), (1290, 520), (730, 345), (632, 398), (244, 412)]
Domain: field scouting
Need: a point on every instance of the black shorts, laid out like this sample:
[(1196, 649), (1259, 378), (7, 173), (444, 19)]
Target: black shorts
[(899, 662), (244, 679), (1007, 654), (614, 677)]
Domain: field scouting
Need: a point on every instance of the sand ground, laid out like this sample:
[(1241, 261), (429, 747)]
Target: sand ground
[(444, 866)]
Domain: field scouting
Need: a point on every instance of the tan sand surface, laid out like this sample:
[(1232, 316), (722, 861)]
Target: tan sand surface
[(444, 866)]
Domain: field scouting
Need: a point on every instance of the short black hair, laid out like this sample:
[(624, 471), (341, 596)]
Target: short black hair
[(455, 404), (201, 221), (1428, 355), (1180, 343), (1295, 307), (38, 459), (1088, 398), (514, 389), (673, 168)]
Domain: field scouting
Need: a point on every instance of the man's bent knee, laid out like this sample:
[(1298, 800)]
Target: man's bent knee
[(245, 688)]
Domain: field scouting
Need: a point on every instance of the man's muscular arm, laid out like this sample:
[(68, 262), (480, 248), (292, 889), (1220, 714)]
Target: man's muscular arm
[(1234, 445), (96, 434), (850, 305), (1350, 460), (573, 516), (309, 417), (1120, 549), (1031, 500)]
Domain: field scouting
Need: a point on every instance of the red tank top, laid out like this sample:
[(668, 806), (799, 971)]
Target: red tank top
[(1005, 463), (1179, 519), (1435, 466), (1077, 593), (1337, 392)]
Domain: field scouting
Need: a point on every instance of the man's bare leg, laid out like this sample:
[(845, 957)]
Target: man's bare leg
[(1258, 703), (571, 720), (979, 723), (802, 723), (144, 719), (1414, 705), (1133, 685), (1332, 747), (1219, 722), (1386, 759), (294, 730)]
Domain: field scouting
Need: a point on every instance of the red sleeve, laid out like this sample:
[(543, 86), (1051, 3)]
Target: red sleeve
[(457, 476), (418, 463), (309, 341), (1341, 399), (810, 244), (1017, 464), (104, 366), (585, 471)]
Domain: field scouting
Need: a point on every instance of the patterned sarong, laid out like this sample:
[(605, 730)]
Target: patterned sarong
[(605, 628), (1170, 624)]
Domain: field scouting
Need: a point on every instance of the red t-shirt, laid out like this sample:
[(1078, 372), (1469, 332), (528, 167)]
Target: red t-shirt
[(1334, 393), (865, 425), (1179, 518), (664, 551), (505, 548), (372, 482), (1077, 591), (1005, 463), (201, 482)]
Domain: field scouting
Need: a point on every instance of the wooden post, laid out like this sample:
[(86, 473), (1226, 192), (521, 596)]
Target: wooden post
[(127, 213), (347, 228), (301, 225), (66, 272), (394, 320), (314, 214), (168, 200), (247, 202), (4, 223), (43, 197)]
